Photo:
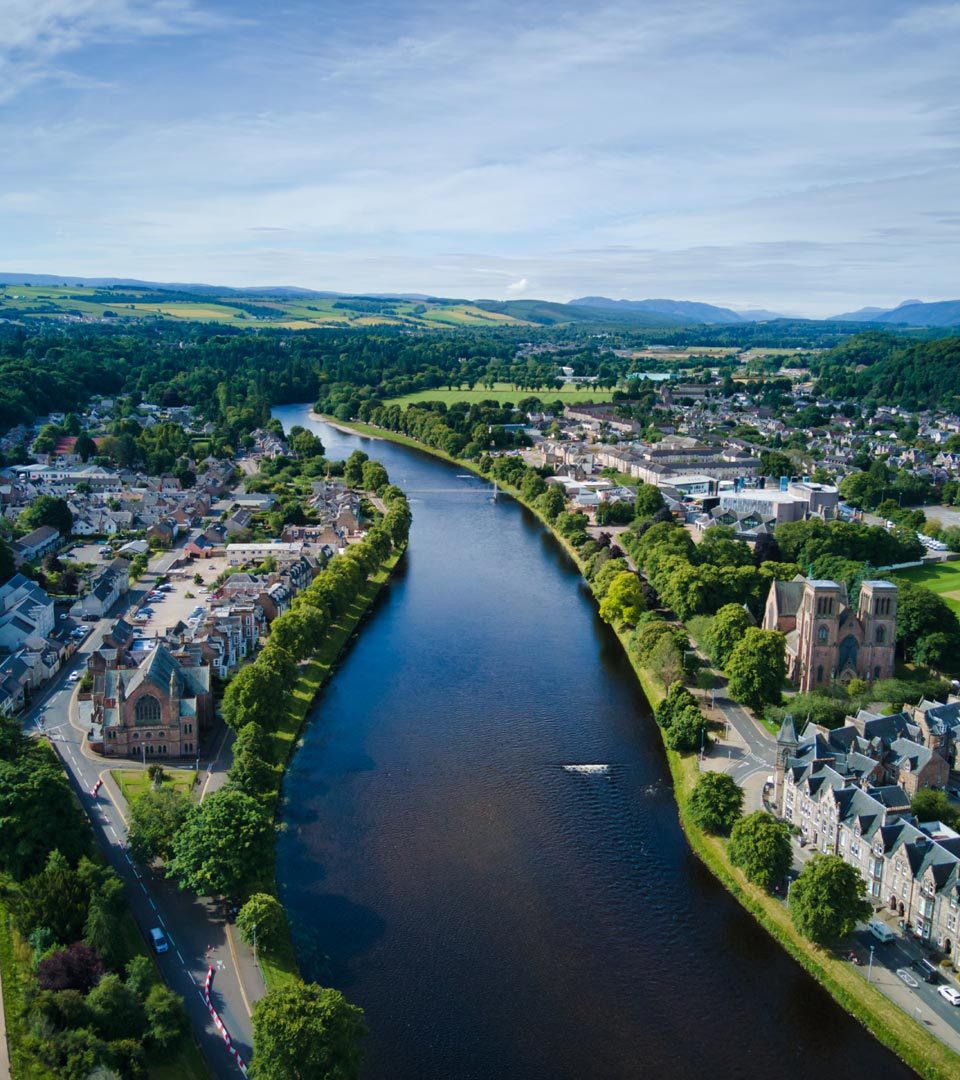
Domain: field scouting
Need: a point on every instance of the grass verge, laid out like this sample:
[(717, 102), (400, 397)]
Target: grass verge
[(134, 782), (279, 965), (898, 1031)]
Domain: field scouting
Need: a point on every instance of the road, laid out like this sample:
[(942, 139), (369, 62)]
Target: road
[(921, 1001), (196, 929)]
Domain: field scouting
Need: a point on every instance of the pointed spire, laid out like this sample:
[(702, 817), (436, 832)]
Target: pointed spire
[(787, 735)]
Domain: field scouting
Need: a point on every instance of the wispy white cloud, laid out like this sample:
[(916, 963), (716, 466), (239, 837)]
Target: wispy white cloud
[(36, 36), (750, 152)]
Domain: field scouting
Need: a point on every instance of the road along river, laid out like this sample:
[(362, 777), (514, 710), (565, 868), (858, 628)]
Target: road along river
[(482, 846)]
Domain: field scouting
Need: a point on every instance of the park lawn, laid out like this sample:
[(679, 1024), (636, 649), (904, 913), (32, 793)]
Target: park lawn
[(134, 782), (505, 393), (942, 578)]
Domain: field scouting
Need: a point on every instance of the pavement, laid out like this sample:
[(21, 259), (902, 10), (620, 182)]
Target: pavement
[(199, 930)]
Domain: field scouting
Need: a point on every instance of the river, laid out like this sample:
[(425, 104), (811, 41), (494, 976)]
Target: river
[(500, 912)]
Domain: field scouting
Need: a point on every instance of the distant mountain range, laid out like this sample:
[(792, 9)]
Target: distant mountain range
[(683, 311), (599, 310), (909, 313)]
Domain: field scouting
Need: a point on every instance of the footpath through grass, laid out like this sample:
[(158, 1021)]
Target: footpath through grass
[(279, 965), (908, 1039)]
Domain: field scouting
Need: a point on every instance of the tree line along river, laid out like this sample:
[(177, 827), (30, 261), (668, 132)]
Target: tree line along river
[(499, 910)]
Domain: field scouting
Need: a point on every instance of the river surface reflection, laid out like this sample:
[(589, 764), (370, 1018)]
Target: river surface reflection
[(499, 915)]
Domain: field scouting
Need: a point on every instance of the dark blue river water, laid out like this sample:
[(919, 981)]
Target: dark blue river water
[(498, 914)]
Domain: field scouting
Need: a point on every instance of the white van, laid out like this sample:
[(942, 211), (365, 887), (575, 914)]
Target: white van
[(158, 940), (881, 931)]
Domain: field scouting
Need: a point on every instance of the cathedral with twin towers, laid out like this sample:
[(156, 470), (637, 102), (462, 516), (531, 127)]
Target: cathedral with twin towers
[(827, 639)]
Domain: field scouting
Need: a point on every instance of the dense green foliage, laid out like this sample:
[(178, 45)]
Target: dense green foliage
[(828, 899), (37, 809), (306, 1032), (760, 847), (757, 668), (715, 804), (916, 375)]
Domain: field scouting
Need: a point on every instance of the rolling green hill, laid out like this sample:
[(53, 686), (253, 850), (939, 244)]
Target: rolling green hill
[(119, 302)]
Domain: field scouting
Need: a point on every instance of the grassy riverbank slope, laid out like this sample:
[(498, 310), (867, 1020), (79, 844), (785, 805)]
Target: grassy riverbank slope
[(279, 965), (888, 1023)]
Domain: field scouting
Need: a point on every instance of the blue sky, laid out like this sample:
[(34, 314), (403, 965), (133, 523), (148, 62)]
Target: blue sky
[(801, 157)]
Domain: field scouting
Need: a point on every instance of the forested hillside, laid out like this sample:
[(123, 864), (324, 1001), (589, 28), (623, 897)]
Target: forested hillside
[(884, 369)]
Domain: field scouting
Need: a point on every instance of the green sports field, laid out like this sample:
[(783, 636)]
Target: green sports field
[(941, 578), (504, 392)]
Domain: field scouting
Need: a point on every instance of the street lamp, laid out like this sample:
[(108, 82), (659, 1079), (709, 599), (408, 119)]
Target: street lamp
[(870, 965)]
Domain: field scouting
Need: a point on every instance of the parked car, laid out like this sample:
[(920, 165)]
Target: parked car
[(881, 931), (927, 970), (949, 994)]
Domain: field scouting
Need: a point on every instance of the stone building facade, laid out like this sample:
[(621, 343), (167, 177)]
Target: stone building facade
[(155, 710), (843, 790), (826, 638)]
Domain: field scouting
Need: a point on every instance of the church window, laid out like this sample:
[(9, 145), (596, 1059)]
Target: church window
[(876, 672), (822, 634), (880, 635), (148, 710), (820, 673)]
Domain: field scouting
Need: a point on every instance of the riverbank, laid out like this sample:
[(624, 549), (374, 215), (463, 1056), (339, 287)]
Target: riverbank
[(889, 1024), (279, 965)]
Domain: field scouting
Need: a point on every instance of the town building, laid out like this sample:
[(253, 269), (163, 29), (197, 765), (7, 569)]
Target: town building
[(848, 791), (157, 709), (826, 638)]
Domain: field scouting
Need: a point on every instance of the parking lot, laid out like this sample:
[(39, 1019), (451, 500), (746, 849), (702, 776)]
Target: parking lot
[(181, 597)]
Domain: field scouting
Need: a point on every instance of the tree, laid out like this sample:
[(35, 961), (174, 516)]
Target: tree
[(225, 842), (760, 846), (166, 1017), (254, 695), (726, 632), (100, 931), (84, 447), (828, 899), (55, 898), (624, 600), (141, 975), (551, 503), (353, 469), (649, 501), (757, 668), (46, 510), (37, 809), (156, 818), (930, 805), (116, 1011), (76, 967), (373, 476), (306, 1032), (921, 614), (263, 919), (665, 658), (716, 802)]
